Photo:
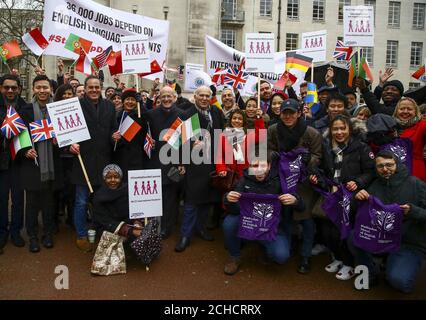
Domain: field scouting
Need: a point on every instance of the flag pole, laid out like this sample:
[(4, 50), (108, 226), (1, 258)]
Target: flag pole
[(85, 173), (119, 126), (357, 75), (258, 90)]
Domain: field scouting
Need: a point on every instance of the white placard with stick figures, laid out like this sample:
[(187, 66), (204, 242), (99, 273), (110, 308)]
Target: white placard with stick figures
[(260, 50), (135, 54), (358, 26), (145, 196), (68, 121)]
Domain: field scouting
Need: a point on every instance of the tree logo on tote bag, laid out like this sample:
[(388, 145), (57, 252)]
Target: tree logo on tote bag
[(385, 222), (264, 211)]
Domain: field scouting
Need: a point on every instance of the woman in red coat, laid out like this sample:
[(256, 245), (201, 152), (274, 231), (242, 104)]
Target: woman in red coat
[(407, 115), (234, 142)]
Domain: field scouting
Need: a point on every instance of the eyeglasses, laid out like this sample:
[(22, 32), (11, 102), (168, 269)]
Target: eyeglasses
[(13, 88), (387, 165)]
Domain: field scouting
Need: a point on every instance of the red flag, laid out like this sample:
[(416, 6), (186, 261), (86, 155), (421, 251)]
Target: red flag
[(280, 84), (420, 72), (10, 50), (155, 67), (115, 64)]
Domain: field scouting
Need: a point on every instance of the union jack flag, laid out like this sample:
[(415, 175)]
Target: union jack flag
[(41, 130), (235, 78), (342, 53), (149, 143), (12, 125)]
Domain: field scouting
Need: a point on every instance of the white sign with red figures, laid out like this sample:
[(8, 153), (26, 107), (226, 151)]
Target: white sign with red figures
[(358, 26), (68, 121), (314, 45), (260, 52), (145, 196)]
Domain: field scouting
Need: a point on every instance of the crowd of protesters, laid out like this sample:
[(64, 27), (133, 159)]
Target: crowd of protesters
[(343, 136)]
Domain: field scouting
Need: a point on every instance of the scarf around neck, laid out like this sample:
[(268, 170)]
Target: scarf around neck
[(44, 148), (289, 138)]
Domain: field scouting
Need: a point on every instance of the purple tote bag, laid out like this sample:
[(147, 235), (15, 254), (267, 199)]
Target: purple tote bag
[(259, 216), (378, 226), (291, 169)]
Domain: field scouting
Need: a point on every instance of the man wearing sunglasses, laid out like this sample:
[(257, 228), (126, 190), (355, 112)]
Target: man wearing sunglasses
[(10, 88)]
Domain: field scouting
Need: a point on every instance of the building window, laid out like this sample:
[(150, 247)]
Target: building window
[(293, 9), (392, 54), (318, 13), (419, 16), (342, 3), (228, 37), (229, 8), (265, 8), (368, 53), (413, 85), (291, 41), (416, 54), (394, 14)]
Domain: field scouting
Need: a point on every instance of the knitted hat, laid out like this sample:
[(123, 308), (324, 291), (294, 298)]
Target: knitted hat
[(129, 93), (398, 84)]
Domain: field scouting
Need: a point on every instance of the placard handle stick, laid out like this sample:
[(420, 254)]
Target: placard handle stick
[(137, 90), (312, 71), (85, 174), (357, 75), (258, 90)]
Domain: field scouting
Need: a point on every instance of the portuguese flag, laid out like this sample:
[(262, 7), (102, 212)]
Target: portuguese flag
[(75, 44)]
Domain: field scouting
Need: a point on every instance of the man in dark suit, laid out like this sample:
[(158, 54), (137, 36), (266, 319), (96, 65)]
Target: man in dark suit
[(199, 196)]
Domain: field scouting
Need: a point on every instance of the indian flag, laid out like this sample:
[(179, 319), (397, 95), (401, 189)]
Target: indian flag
[(19, 142), (190, 128), (172, 136)]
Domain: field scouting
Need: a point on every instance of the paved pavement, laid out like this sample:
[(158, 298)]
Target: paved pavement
[(194, 274)]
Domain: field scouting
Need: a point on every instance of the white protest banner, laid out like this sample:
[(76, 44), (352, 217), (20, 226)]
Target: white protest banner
[(103, 26), (195, 77), (314, 45), (219, 55), (135, 54), (68, 121), (260, 49), (145, 195), (358, 26)]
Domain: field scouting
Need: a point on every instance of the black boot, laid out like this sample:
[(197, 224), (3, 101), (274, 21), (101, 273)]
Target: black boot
[(304, 266), (182, 244), (34, 245)]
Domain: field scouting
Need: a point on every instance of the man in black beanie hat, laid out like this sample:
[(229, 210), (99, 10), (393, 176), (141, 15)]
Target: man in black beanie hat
[(392, 92)]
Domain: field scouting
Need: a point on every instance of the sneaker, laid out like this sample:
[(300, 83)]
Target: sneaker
[(334, 266), (345, 273), (84, 245), (318, 249), (232, 266)]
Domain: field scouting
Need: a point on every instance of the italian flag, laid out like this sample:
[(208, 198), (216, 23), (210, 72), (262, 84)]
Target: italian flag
[(172, 136), (190, 128), (35, 41), (129, 128), (19, 142), (74, 43)]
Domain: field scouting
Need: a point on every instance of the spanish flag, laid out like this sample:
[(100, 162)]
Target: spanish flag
[(297, 61)]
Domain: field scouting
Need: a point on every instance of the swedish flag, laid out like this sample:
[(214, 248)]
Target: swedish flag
[(312, 96)]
